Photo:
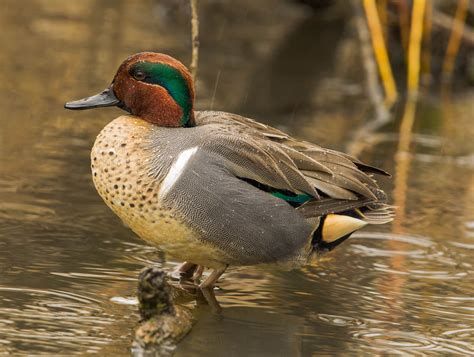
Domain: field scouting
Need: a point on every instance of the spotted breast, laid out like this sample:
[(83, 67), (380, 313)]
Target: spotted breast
[(121, 162)]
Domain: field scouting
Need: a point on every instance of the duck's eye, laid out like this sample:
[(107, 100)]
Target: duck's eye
[(139, 75)]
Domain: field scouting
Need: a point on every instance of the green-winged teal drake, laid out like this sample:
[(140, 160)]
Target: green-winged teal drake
[(216, 189)]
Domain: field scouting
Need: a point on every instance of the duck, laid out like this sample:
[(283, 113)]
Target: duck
[(214, 189)]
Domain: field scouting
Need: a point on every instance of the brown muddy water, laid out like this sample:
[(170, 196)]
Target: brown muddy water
[(68, 266)]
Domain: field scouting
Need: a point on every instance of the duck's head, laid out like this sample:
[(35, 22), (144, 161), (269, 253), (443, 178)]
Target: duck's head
[(153, 86)]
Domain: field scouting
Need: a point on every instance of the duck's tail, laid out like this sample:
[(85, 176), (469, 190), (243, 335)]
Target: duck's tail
[(336, 228)]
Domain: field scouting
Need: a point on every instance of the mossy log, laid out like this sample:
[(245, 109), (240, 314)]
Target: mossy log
[(163, 324)]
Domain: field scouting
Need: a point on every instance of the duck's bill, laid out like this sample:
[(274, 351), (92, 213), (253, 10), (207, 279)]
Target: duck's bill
[(105, 99)]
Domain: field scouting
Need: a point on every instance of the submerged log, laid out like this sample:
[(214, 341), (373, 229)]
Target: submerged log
[(162, 324)]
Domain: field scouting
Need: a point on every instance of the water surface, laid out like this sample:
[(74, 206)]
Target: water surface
[(66, 260)]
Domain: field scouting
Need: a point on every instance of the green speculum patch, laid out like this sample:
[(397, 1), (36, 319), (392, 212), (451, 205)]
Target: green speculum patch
[(297, 199), (292, 198), (172, 80)]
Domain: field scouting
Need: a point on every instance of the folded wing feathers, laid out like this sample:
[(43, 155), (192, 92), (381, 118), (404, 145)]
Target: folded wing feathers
[(333, 174), (330, 205), (269, 156), (331, 190), (305, 171), (351, 172), (343, 181), (362, 166), (250, 161), (328, 156), (291, 170), (298, 180), (305, 162), (382, 214)]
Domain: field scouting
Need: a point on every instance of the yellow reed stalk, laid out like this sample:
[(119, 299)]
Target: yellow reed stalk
[(455, 37), (402, 157), (380, 50), (414, 46), (383, 15)]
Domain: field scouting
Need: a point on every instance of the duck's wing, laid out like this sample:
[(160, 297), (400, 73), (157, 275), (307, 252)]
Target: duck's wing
[(285, 139), (282, 162), (247, 225)]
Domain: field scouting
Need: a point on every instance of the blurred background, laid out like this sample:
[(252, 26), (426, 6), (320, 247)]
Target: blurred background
[(68, 266)]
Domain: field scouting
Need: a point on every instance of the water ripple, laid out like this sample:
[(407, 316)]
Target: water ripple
[(396, 341), (50, 321), (427, 259)]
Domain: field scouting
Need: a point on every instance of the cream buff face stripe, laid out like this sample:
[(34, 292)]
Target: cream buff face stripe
[(176, 170)]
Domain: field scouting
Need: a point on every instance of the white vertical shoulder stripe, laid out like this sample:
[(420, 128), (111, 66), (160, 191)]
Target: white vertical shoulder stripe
[(176, 169)]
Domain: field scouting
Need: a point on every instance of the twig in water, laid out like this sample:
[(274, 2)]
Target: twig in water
[(215, 89), (382, 115), (426, 46), (194, 38), (445, 22), (455, 38), (404, 22)]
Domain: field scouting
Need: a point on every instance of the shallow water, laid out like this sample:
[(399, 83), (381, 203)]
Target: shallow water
[(68, 266)]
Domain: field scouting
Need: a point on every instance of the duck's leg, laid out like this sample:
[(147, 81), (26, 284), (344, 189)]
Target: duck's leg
[(210, 298), (213, 277), (198, 273)]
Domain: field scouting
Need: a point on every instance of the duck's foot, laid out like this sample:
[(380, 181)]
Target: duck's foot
[(183, 272), (187, 271)]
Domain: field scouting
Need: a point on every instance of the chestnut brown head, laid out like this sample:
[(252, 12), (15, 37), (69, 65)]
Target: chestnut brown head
[(153, 86)]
